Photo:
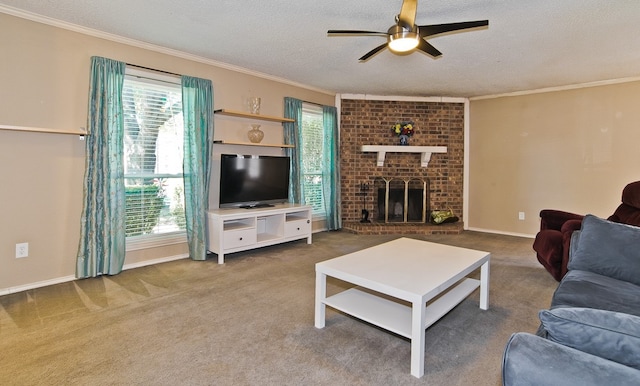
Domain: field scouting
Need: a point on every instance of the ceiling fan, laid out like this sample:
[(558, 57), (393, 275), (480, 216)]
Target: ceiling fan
[(405, 36)]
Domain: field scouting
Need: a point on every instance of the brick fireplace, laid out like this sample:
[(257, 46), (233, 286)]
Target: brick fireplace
[(368, 122)]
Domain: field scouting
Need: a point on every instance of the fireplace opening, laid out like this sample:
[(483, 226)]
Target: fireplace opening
[(402, 201)]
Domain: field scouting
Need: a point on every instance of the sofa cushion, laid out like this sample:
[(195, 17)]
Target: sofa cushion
[(607, 248), (590, 290), (529, 360), (610, 335)]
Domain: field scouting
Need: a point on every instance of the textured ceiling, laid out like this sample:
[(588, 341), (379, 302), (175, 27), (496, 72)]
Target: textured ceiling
[(528, 45)]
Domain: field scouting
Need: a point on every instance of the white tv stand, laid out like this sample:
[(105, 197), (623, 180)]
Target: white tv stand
[(234, 230)]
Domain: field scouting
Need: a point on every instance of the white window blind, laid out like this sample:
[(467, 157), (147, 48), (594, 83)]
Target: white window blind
[(312, 145), (153, 143)]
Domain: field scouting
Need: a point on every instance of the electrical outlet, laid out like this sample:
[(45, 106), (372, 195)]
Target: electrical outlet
[(520, 215), (22, 250)]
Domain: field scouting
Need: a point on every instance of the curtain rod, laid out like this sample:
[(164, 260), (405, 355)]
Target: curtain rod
[(153, 69), (313, 103)]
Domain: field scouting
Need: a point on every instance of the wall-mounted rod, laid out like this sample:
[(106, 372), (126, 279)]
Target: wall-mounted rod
[(43, 130)]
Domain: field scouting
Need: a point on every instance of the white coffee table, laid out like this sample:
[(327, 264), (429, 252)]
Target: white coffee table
[(409, 270)]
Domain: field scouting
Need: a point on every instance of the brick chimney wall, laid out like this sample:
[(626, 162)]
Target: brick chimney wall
[(368, 122)]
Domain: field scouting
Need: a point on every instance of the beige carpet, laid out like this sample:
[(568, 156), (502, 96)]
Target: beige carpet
[(250, 322)]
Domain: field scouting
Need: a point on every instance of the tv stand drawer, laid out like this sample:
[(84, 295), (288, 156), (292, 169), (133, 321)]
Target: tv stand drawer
[(297, 228), (239, 238)]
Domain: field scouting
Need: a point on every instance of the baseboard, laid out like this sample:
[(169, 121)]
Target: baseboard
[(155, 261), (501, 232), (65, 279), (38, 284)]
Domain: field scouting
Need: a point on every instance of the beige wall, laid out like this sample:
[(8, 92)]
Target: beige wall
[(44, 73), (573, 150)]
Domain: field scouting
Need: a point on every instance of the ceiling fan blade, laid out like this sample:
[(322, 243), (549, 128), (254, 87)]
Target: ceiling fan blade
[(407, 17), (425, 46), (355, 32), (373, 52), (435, 29)]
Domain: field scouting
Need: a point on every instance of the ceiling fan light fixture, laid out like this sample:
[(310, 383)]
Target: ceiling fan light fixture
[(402, 39), (405, 37)]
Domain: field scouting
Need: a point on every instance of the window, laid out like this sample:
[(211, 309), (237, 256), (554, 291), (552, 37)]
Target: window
[(153, 142), (311, 155)]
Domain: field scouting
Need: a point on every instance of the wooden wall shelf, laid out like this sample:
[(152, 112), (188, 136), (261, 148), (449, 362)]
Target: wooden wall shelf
[(239, 114), (217, 142), (426, 151)]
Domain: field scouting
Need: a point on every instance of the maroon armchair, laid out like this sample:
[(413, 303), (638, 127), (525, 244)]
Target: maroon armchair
[(552, 242)]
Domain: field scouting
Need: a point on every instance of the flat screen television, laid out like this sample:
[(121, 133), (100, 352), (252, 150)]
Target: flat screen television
[(251, 181)]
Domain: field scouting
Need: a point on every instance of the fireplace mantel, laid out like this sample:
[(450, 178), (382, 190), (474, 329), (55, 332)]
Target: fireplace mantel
[(426, 151)]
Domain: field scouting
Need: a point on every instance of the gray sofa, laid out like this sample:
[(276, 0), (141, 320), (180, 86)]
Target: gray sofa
[(591, 333)]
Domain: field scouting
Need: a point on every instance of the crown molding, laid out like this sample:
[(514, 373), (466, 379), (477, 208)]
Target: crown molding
[(400, 98), (151, 47), (560, 88)]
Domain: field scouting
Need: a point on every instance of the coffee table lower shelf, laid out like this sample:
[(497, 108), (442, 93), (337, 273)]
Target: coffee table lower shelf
[(392, 315)]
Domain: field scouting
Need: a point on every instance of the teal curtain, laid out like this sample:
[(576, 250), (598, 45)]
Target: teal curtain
[(197, 109), (293, 136), (102, 235), (331, 167)]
